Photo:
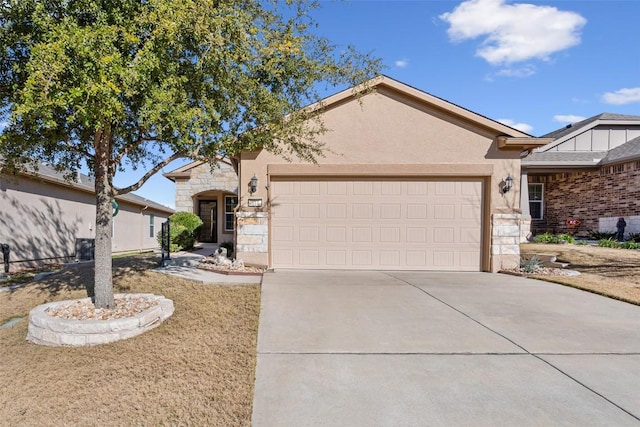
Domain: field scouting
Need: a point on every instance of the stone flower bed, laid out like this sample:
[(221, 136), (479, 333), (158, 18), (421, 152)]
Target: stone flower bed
[(541, 271), (77, 322), (219, 263), (209, 264)]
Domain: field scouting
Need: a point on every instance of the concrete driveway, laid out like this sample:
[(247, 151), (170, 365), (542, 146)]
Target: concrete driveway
[(426, 349)]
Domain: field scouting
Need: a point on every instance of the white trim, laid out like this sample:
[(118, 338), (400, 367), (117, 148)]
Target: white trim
[(541, 201), (231, 212)]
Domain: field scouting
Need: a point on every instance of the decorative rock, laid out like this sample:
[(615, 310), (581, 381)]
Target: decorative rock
[(237, 264)]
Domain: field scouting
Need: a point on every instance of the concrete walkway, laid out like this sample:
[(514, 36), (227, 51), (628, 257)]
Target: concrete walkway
[(184, 265), (442, 349)]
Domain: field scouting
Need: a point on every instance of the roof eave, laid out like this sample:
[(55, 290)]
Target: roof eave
[(173, 175), (520, 143)]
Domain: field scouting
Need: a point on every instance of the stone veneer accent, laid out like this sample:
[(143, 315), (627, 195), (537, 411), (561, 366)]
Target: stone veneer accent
[(525, 228), (51, 331), (223, 178), (505, 241), (252, 237), (609, 192)]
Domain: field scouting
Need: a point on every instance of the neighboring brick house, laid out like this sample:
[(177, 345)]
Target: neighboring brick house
[(210, 193), (590, 172)]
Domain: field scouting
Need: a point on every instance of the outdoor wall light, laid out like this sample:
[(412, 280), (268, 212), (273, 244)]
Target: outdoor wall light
[(507, 185), (253, 184)]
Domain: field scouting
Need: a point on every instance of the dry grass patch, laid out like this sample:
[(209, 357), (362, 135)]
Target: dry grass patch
[(611, 272), (197, 368)]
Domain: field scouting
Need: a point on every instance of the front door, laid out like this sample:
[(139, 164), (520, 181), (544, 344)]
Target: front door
[(208, 213)]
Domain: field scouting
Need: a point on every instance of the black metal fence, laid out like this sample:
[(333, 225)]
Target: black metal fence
[(5, 256), (165, 240)]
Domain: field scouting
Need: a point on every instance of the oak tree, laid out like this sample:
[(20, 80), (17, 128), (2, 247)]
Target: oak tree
[(115, 84)]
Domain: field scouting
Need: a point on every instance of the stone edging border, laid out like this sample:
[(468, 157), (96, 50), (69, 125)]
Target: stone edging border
[(56, 332), (231, 272)]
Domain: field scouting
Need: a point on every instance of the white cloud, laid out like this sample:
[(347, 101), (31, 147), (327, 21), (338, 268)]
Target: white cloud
[(514, 32), (526, 71), (622, 96), (402, 63), (522, 127), (567, 118)]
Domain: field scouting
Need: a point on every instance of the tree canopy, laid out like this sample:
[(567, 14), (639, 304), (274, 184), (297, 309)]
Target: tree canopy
[(140, 83)]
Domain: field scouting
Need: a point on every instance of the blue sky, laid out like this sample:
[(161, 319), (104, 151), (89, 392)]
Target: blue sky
[(534, 65)]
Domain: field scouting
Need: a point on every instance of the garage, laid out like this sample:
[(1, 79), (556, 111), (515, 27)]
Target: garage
[(377, 223), (403, 180)]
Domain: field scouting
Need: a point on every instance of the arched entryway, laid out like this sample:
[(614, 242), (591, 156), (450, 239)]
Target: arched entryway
[(216, 210)]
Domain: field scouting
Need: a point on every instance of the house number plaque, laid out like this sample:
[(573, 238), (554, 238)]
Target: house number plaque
[(254, 203)]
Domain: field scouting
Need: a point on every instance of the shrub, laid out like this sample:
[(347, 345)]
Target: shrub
[(601, 235), (545, 238), (634, 237), (178, 237), (191, 222), (629, 245), (184, 227), (581, 243), (608, 243), (549, 238), (530, 265), (567, 238)]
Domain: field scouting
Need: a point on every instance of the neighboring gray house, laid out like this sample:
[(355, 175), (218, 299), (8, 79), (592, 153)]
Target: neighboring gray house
[(210, 193), (590, 172), (43, 216)]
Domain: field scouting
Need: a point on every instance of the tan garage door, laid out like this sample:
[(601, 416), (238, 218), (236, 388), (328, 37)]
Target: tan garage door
[(387, 224)]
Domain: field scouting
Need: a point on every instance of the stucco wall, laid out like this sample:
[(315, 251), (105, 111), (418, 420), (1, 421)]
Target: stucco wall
[(388, 128), (41, 220), (613, 191)]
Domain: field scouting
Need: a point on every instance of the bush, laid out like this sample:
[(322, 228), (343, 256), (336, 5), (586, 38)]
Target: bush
[(184, 227), (567, 238), (608, 243), (179, 237), (549, 238), (530, 265), (546, 238), (611, 243), (634, 237), (601, 235), (191, 222), (629, 245)]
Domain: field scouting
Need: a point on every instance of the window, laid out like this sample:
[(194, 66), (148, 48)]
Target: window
[(152, 225), (536, 200), (230, 203)]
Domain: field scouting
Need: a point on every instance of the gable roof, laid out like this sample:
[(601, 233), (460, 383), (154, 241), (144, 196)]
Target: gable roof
[(87, 184), (547, 158), (567, 132), (385, 82), (185, 170)]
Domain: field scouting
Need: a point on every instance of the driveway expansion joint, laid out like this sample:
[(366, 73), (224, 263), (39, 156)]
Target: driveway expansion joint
[(538, 356)]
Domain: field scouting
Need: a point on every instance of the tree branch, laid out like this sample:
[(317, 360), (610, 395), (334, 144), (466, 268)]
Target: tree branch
[(149, 174), (129, 147)]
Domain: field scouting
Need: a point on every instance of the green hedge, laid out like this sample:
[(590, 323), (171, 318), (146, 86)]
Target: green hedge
[(184, 228)]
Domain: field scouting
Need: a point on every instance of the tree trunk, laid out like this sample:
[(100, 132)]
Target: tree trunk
[(103, 279)]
